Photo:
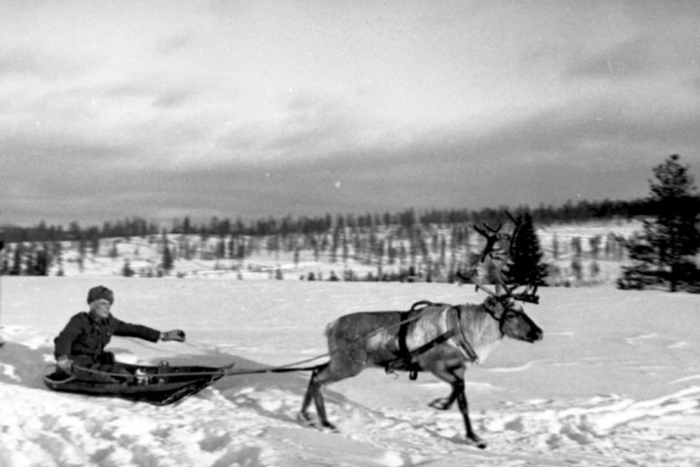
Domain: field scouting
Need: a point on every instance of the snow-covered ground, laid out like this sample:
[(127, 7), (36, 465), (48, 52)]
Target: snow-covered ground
[(616, 381)]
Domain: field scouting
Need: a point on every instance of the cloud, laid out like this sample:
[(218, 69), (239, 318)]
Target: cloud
[(576, 150), (301, 126), (224, 109), (623, 61), (172, 99), (575, 124), (29, 62), (313, 126), (174, 43), (20, 62), (653, 53)]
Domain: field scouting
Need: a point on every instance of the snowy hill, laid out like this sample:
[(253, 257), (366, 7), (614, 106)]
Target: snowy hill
[(598, 260)]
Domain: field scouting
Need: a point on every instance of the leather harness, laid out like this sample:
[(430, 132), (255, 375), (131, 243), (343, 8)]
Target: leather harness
[(405, 357)]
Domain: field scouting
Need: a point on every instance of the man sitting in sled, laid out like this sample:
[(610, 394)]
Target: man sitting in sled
[(80, 347)]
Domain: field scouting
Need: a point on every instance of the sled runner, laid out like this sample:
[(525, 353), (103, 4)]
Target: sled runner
[(157, 385)]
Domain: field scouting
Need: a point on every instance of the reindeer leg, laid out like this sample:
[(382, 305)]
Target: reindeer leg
[(313, 393), (444, 403), (311, 390), (463, 405), (450, 373)]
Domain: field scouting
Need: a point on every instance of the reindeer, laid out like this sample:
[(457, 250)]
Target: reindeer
[(439, 338)]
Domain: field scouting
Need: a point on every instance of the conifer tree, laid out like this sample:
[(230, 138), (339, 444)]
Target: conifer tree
[(525, 265), (671, 239), (167, 261)]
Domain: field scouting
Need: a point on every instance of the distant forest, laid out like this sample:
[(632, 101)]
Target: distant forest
[(137, 227)]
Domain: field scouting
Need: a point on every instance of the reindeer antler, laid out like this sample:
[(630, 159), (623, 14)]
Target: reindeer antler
[(529, 295), (491, 250), (493, 236), (472, 279)]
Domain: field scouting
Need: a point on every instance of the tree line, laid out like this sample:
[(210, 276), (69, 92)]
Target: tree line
[(431, 253), (579, 211)]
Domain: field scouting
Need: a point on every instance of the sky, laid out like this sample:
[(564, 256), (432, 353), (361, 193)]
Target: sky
[(250, 109)]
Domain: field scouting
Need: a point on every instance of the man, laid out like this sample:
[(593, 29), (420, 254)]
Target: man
[(80, 347)]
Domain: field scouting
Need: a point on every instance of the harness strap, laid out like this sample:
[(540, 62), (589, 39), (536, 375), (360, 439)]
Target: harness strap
[(444, 337), (406, 356), (405, 361), (455, 330), (404, 320), (404, 353), (462, 341)]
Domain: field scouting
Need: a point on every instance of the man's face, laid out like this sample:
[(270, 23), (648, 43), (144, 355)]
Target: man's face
[(101, 307)]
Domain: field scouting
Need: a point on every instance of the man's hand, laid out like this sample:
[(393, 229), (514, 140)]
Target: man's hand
[(177, 335), (65, 364)]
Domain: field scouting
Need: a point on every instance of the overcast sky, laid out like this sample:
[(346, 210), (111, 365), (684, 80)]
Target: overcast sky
[(161, 109)]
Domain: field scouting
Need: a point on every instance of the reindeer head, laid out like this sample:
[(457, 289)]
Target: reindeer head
[(512, 319), (503, 303)]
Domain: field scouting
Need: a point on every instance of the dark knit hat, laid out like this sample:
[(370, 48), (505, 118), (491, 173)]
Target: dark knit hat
[(99, 292)]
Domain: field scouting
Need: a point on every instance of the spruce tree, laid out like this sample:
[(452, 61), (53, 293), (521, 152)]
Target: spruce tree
[(167, 260), (669, 242), (525, 266)]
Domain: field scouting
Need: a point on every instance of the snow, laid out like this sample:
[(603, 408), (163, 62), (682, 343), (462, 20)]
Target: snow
[(616, 380)]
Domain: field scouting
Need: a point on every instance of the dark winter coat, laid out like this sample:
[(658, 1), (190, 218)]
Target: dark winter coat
[(86, 335)]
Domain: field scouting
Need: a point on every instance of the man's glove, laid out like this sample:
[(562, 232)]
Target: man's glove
[(174, 335), (65, 364)]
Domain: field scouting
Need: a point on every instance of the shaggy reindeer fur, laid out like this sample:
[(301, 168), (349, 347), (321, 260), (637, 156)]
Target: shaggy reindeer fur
[(371, 339)]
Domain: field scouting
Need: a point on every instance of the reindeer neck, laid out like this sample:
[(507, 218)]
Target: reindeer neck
[(481, 329)]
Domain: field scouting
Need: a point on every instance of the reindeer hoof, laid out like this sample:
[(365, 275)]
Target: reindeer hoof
[(441, 403), (329, 426), (477, 442), (307, 420), (311, 422)]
